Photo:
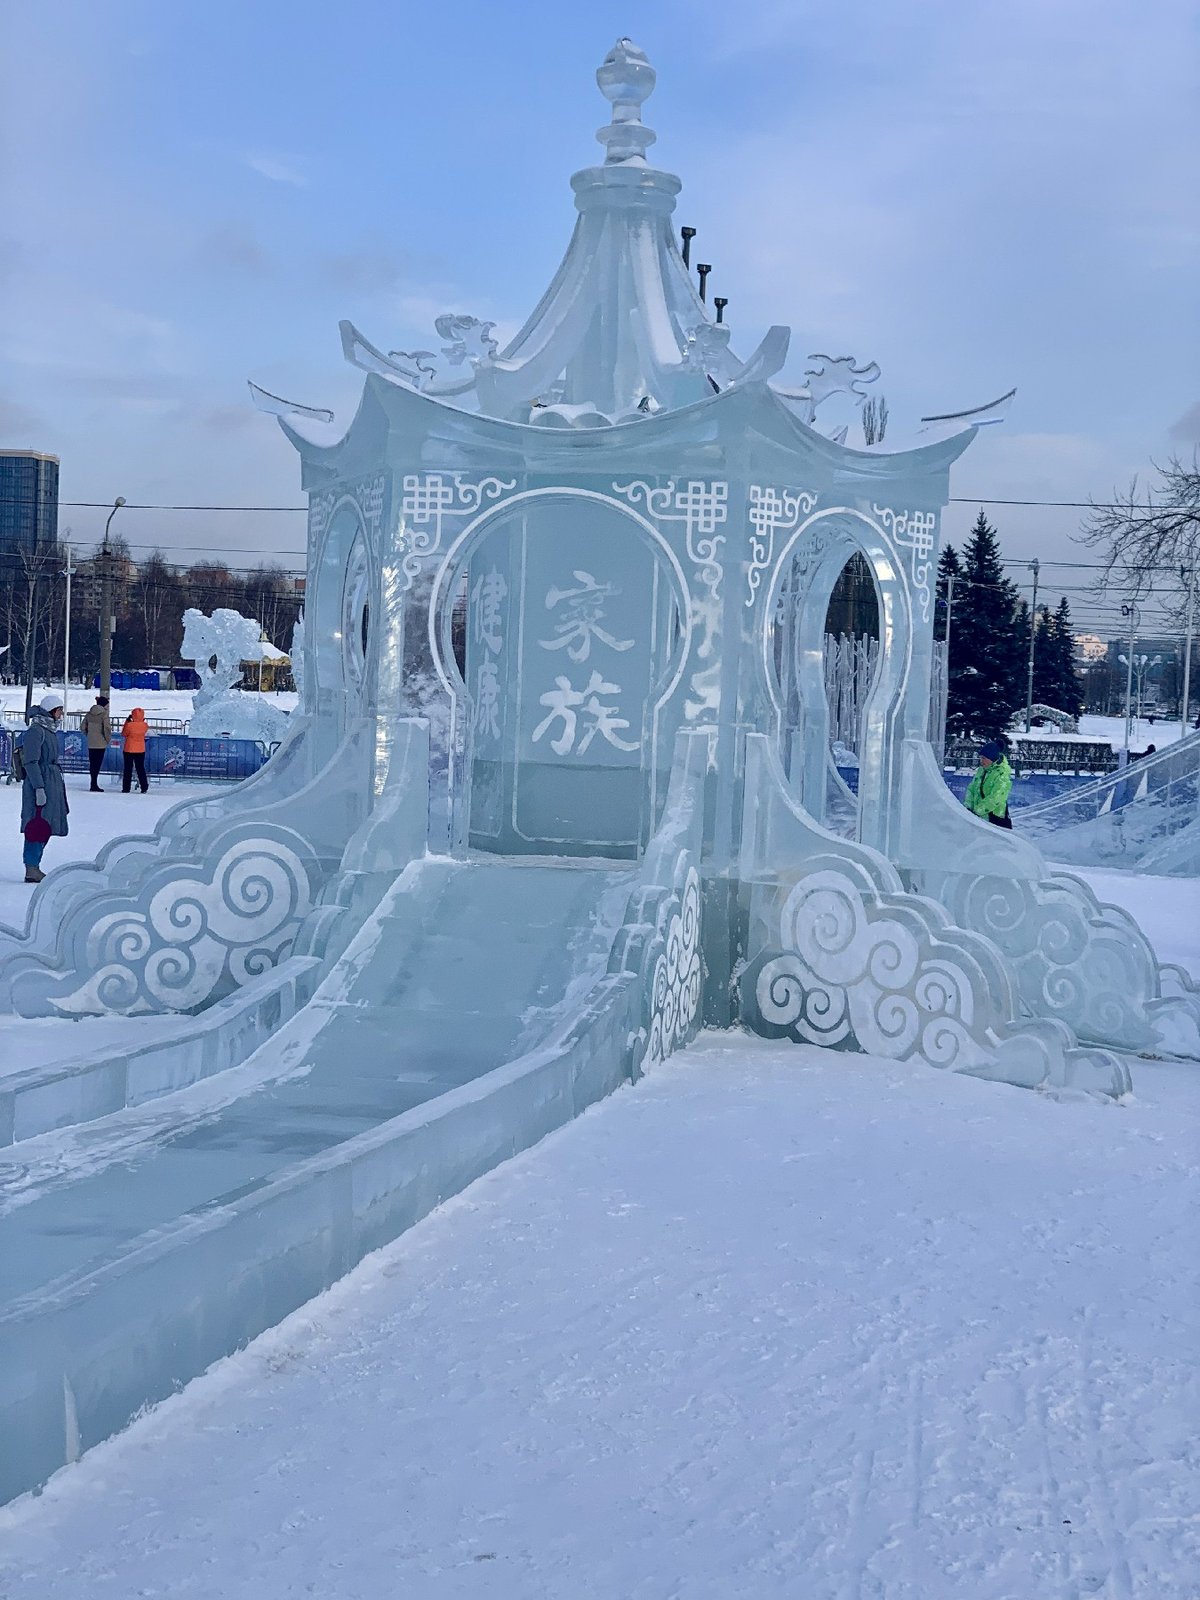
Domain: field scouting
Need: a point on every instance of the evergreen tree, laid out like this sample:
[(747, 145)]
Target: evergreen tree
[(987, 667), (1046, 683), (947, 596), (1061, 644), (949, 566)]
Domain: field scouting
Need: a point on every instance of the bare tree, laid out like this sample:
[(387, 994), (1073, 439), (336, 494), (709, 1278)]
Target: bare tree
[(1149, 539), (8, 589), (874, 419), (35, 573), (271, 596), (159, 597)]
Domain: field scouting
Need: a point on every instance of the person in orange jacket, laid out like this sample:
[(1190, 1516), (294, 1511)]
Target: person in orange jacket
[(133, 741)]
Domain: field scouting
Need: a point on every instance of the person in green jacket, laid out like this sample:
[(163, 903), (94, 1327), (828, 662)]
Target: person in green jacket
[(987, 793)]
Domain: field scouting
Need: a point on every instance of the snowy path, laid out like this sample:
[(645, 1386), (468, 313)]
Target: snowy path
[(775, 1322), (94, 820), (1166, 909)]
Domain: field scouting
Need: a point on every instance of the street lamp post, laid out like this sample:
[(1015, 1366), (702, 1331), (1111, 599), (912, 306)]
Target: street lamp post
[(1139, 664), (1032, 641), (69, 573), (107, 620), (1131, 611), (1187, 648)]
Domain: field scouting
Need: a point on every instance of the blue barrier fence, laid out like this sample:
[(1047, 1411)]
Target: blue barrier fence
[(1029, 789), (172, 755), (168, 755)]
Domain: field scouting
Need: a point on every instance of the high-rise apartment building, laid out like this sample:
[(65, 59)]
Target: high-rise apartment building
[(28, 502)]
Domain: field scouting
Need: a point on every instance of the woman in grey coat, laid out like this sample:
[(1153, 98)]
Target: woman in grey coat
[(43, 793)]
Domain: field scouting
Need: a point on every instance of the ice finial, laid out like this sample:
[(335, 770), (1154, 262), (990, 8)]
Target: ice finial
[(626, 78)]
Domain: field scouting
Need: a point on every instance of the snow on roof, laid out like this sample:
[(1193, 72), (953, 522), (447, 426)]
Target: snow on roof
[(264, 650)]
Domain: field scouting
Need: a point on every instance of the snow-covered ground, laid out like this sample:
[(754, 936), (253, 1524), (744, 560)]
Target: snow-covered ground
[(777, 1322), (1167, 909), (94, 819), (1162, 731), (1110, 730), (173, 703), (1054, 736)]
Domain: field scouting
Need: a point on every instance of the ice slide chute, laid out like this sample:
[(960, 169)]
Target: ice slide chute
[(1145, 816), (476, 1005)]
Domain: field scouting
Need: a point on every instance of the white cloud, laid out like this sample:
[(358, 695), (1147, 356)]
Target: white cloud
[(272, 167)]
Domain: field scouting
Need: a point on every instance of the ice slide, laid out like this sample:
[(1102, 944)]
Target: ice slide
[(1146, 816), (477, 1006)]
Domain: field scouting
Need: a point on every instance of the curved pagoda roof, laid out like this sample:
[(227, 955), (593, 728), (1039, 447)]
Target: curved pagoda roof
[(621, 333), (621, 327)]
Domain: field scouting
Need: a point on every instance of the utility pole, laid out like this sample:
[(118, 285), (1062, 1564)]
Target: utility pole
[(1032, 641), (946, 695), (69, 574), (949, 614), (1187, 649), (107, 620), (1130, 611)]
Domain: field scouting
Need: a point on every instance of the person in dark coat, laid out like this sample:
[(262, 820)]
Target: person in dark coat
[(43, 793)]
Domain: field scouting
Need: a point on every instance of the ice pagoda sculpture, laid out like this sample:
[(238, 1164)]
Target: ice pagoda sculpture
[(596, 564), (556, 797)]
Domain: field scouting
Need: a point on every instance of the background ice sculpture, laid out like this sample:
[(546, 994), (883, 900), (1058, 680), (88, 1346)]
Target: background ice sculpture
[(565, 566), (219, 645)]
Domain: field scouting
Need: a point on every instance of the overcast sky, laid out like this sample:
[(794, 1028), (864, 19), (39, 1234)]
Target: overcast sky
[(974, 194)]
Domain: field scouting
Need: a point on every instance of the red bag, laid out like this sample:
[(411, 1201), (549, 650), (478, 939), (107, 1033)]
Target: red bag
[(37, 829)]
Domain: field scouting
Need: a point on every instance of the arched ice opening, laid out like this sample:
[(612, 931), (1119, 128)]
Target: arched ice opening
[(794, 661), (574, 634)]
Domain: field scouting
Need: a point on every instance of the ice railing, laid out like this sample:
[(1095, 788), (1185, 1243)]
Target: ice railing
[(1122, 818)]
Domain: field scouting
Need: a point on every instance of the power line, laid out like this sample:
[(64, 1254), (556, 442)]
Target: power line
[(259, 550), (1077, 505), (954, 500), (210, 549), (106, 505), (1085, 566)]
